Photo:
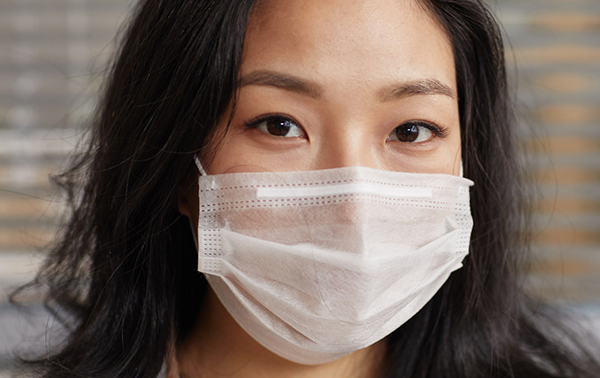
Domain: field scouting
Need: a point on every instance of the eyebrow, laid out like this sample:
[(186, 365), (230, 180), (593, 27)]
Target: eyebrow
[(414, 88), (314, 90), (283, 81)]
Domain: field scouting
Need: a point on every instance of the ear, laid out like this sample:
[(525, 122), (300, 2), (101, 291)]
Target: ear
[(187, 201)]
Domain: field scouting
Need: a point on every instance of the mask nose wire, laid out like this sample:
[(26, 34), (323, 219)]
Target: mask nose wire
[(199, 165)]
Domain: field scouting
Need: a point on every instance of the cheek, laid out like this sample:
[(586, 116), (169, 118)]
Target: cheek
[(445, 158), (449, 158), (232, 156), (457, 160)]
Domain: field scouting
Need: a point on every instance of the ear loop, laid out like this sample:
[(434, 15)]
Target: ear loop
[(203, 172), (462, 173), (195, 229)]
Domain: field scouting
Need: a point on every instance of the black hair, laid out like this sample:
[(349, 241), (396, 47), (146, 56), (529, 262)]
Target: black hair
[(482, 323), (124, 266)]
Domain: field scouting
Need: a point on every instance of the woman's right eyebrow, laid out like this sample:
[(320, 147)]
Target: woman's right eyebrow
[(283, 81)]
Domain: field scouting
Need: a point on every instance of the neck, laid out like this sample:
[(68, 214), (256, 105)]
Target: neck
[(219, 347)]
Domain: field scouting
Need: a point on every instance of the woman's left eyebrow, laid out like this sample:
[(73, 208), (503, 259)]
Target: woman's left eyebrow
[(415, 88)]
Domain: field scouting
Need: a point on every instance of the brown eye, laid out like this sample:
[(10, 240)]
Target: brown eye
[(411, 132), (280, 126)]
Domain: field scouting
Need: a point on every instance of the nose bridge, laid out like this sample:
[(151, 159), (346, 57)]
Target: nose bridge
[(346, 144)]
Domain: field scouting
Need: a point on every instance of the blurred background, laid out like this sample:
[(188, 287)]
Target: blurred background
[(52, 60)]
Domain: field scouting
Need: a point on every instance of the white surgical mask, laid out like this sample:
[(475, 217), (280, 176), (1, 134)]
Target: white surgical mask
[(315, 265)]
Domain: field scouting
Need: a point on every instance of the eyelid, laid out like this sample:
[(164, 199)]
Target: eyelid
[(265, 117)]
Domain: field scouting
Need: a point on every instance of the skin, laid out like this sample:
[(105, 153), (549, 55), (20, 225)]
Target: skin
[(348, 74)]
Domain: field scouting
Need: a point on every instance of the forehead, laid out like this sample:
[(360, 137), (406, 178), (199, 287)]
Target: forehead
[(365, 40)]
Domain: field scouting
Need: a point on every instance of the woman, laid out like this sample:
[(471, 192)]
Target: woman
[(377, 91)]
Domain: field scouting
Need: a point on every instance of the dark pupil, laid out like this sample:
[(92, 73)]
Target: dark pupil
[(407, 133), (278, 126)]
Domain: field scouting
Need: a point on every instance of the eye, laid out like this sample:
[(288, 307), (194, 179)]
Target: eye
[(414, 132), (278, 125)]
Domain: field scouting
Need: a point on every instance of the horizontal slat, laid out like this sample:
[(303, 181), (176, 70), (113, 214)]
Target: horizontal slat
[(50, 23)]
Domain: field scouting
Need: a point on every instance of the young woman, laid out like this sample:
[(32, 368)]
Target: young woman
[(351, 121)]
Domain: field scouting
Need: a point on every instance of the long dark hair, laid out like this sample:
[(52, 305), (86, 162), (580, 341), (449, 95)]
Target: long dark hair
[(124, 266)]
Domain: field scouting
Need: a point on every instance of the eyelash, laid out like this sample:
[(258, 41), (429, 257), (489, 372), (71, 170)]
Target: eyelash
[(438, 131), (267, 117)]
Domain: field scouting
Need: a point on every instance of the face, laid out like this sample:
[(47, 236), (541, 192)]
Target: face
[(337, 83)]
